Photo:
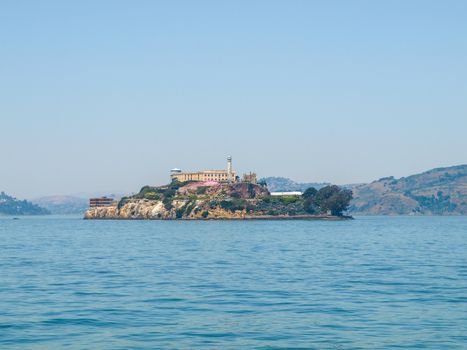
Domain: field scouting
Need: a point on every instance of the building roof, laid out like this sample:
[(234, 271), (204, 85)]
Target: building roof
[(290, 193)]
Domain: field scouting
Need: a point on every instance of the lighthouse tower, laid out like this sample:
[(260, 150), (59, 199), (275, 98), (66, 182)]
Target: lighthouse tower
[(229, 169)]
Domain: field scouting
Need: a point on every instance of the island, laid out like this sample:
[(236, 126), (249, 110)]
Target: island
[(222, 195), (210, 200)]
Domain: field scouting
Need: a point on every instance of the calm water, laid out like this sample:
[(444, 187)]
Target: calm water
[(373, 283)]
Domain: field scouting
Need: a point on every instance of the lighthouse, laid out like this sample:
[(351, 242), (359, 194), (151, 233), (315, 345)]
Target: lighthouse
[(229, 169)]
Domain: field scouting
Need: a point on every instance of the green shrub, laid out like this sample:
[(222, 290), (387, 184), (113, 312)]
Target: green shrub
[(226, 205), (250, 207), (175, 184), (169, 193), (288, 199), (152, 195), (179, 212), (251, 190), (144, 190), (235, 204), (189, 208), (167, 203), (122, 202)]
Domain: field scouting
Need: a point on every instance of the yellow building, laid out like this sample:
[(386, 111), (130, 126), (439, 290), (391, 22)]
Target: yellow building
[(205, 175), (250, 178), (228, 175)]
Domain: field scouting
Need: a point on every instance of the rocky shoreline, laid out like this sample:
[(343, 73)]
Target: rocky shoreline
[(92, 216)]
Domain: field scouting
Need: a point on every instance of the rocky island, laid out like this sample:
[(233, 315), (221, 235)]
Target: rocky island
[(221, 194), (205, 200)]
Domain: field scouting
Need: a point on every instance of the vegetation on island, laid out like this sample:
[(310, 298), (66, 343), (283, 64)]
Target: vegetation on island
[(330, 199), (11, 206), (192, 200)]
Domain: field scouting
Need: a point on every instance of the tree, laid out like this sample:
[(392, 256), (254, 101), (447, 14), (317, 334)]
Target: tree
[(310, 204), (334, 199), (262, 183), (310, 192)]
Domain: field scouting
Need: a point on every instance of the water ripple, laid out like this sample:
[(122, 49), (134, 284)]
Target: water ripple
[(373, 283)]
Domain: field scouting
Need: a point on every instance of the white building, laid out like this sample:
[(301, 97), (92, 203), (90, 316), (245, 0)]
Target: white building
[(291, 193)]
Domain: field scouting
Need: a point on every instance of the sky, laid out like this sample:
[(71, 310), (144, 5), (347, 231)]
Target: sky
[(108, 96)]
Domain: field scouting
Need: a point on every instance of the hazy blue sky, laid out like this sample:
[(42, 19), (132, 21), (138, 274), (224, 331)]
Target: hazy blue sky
[(109, 95)]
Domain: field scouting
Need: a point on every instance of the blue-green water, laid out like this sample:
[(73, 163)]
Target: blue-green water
[(371, 283)]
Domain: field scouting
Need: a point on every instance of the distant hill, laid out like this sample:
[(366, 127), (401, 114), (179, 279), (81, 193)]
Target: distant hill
[(283, 184), (63, 204), (11, 206), (441, 191)]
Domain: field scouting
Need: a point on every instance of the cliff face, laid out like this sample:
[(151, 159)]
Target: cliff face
[(190, 201), (155, 209)]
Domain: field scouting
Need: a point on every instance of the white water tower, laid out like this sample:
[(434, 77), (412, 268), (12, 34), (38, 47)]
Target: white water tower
[(229, 168)]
